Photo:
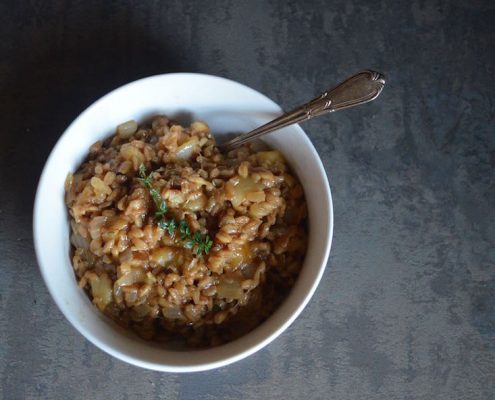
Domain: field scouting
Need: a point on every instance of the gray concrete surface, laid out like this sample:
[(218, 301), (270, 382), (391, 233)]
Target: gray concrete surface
[(406, 308)]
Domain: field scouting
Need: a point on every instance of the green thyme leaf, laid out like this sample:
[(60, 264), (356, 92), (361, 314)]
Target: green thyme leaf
[(160, 203), (163, 224), (142, 171), (208, 244), (184, 230), (145, 180), (169, 226), (204, 244)]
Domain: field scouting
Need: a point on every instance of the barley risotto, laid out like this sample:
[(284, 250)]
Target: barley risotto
[(179, 242)]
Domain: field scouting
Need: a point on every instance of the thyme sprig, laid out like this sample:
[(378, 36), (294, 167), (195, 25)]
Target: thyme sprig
[(200, 243)]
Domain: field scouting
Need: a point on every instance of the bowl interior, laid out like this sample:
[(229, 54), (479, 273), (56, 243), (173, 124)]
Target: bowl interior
[(227, 107)]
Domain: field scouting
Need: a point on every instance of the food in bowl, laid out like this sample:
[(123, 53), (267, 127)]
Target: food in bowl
[(179, 242)]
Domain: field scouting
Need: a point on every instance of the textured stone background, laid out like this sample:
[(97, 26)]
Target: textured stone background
[(406, 308)]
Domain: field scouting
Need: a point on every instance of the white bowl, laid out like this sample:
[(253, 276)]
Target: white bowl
[(226, 106)]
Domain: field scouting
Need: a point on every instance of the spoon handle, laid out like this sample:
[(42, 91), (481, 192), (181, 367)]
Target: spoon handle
[(361, 88)]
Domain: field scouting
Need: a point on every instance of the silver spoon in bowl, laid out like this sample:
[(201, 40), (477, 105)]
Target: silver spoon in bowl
[(361, 88)]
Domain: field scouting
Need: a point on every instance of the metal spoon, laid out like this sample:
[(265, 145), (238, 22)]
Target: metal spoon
[(361, 88)]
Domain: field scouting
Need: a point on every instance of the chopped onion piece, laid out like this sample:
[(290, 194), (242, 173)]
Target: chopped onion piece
[(186, 149), (172, 311), (127, 129), (101, 289)]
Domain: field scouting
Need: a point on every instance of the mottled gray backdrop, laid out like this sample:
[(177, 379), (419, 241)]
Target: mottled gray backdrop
[(406, 308)]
